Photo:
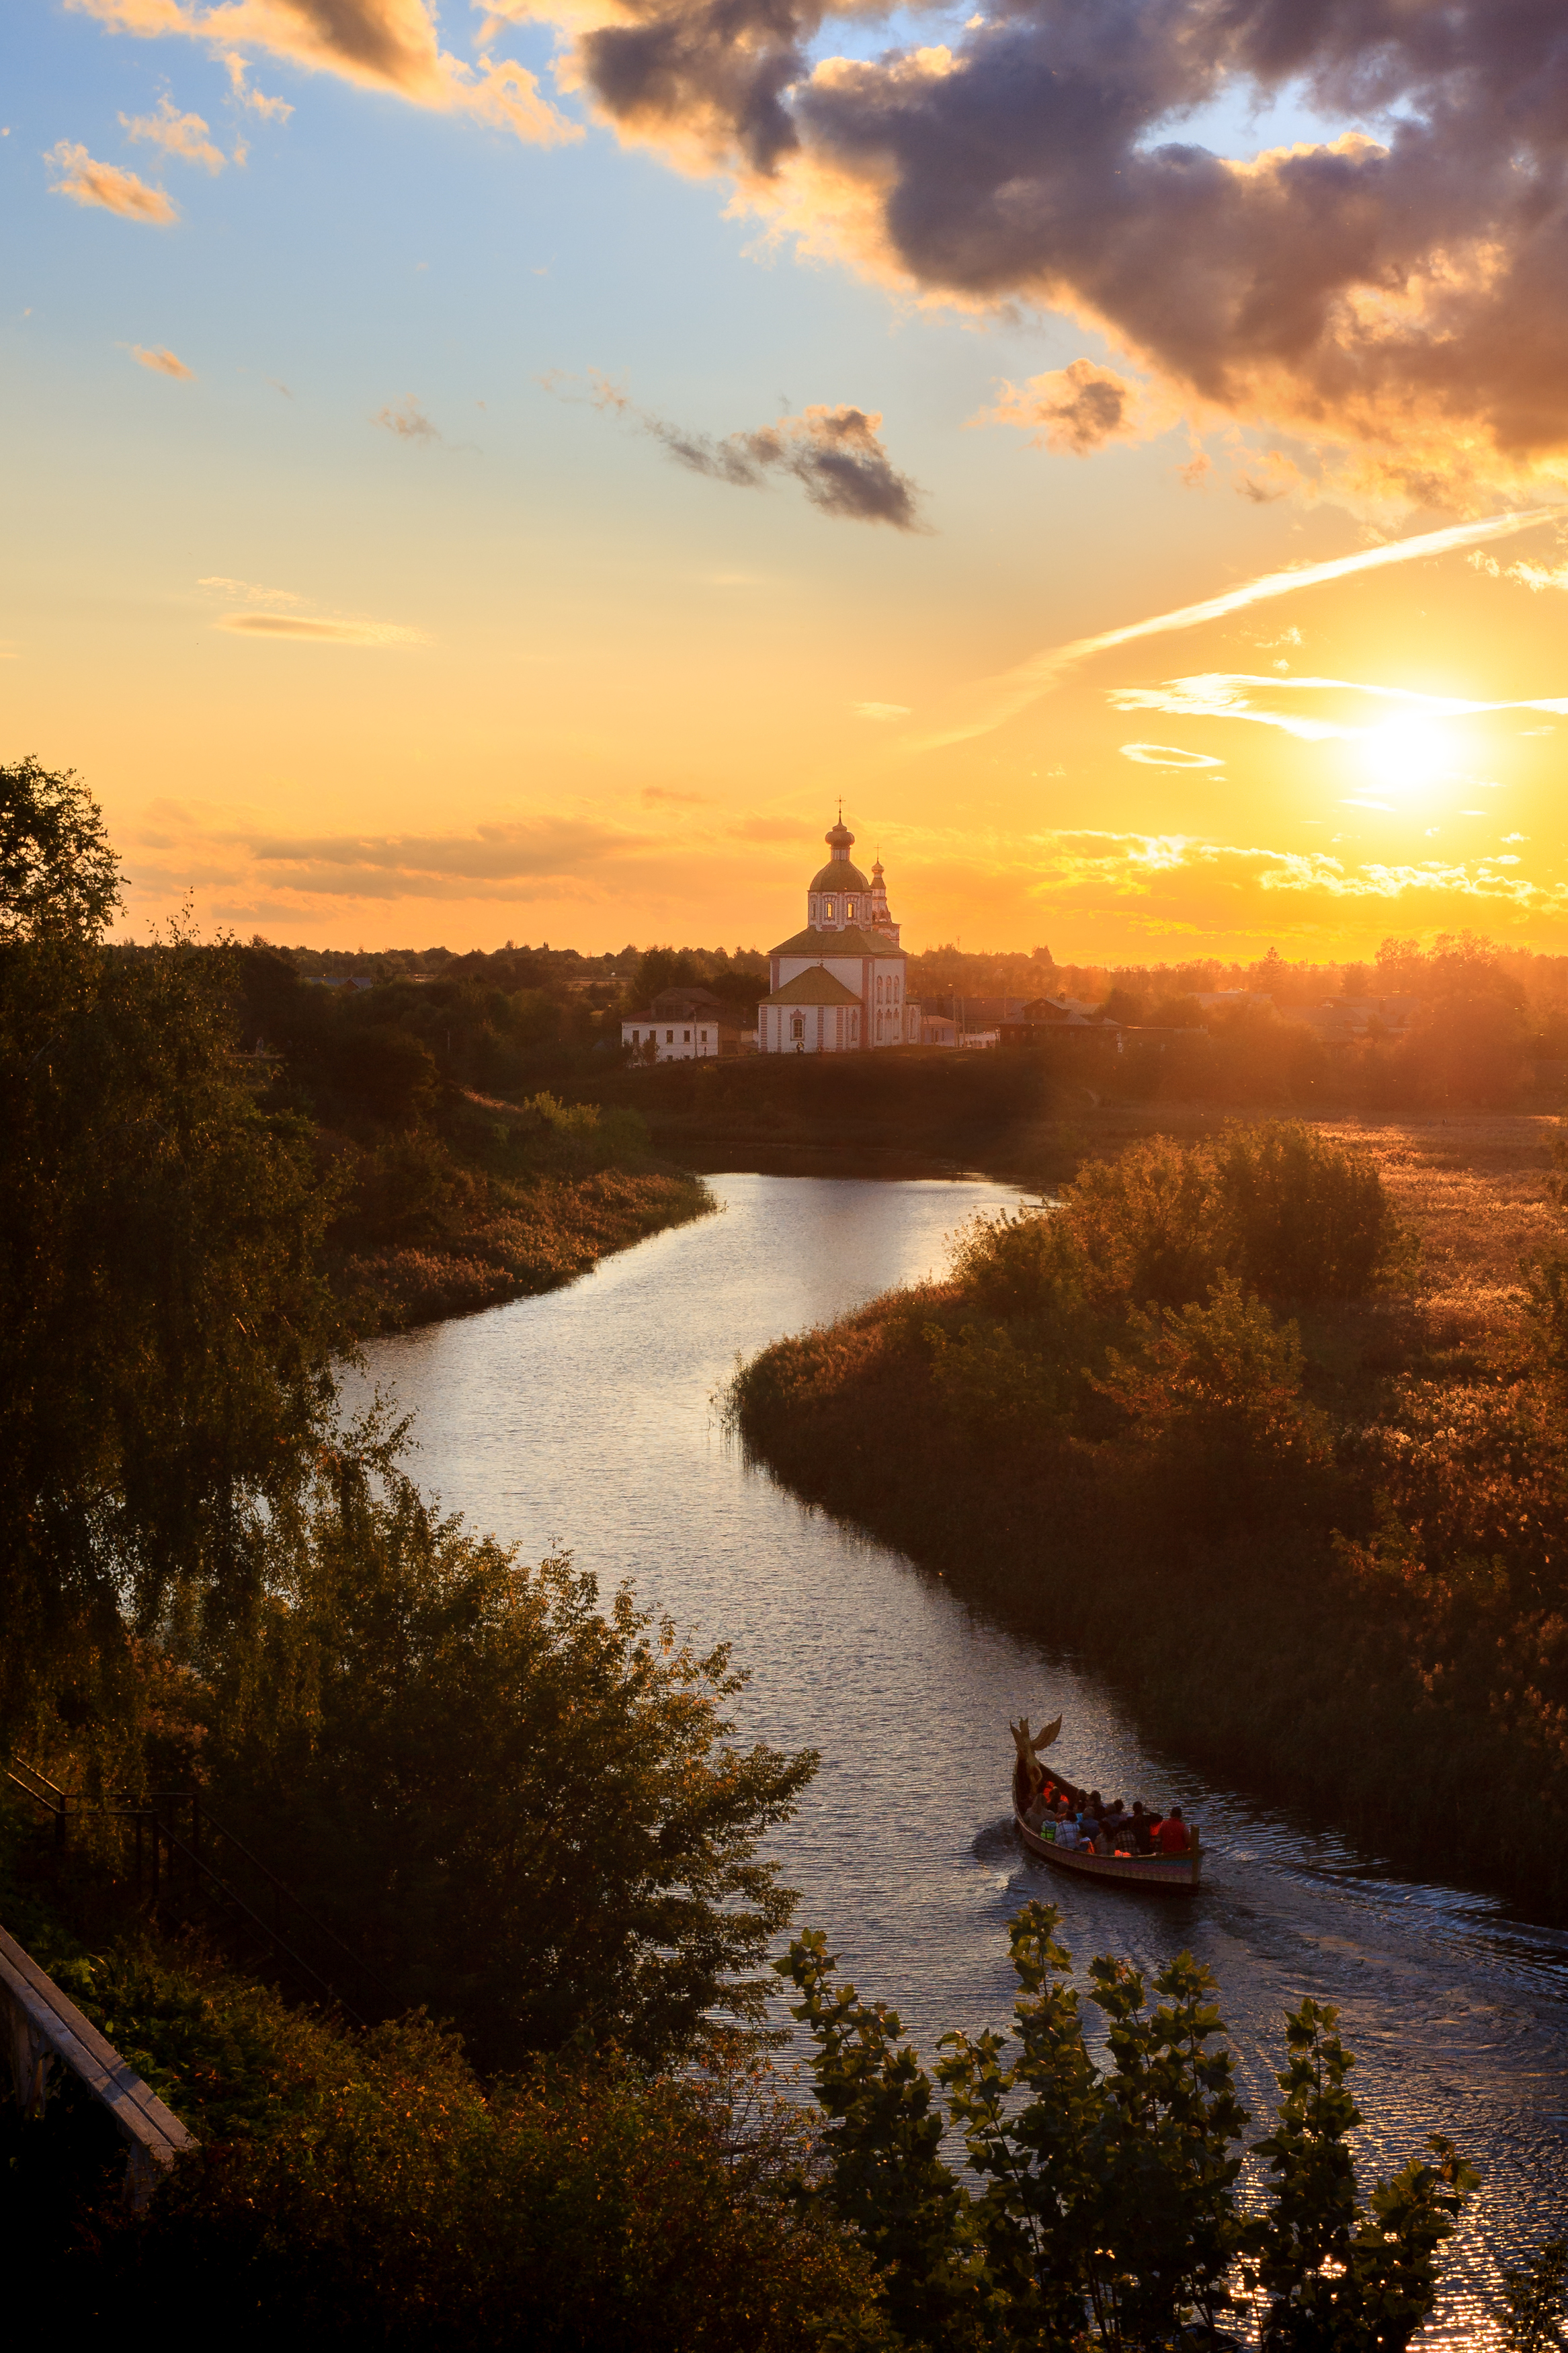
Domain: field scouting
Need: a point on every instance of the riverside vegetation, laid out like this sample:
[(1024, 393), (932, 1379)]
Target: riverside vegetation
[(563, 2130), (1319, 1521)]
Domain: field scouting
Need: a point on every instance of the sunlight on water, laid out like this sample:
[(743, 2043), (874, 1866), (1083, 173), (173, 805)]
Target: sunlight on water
[(585, 1417)]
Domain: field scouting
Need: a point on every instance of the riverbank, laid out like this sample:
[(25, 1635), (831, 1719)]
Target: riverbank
[(516, 1241), (1370, 1636), (489, 1200)]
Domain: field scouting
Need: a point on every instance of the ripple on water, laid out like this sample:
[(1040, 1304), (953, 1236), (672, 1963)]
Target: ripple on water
[(584, 1417)]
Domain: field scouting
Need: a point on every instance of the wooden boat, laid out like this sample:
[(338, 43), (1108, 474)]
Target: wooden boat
[(1166, 1874)]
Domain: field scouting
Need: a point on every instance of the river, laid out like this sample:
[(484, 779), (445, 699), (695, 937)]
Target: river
[(586, 1419)]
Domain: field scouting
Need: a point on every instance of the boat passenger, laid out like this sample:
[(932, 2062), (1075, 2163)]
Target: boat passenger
[(1137, 1826), (1067, 1833), (1172, 1834)]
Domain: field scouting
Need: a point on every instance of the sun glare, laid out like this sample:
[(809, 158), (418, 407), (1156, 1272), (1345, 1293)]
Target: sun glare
[(1405, 758)]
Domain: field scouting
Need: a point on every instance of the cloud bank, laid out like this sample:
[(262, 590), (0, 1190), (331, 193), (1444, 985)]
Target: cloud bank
[(1401, 289), (1395, 295)]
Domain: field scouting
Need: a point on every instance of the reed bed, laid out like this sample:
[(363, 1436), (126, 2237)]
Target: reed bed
[(1340, 1580)]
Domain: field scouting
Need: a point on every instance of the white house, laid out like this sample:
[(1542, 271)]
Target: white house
[(683, 1025), (839, 987)]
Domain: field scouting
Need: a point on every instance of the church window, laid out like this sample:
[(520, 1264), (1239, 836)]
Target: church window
[(798, 1026), (686, 1037), (827, 911), (669, 1037)]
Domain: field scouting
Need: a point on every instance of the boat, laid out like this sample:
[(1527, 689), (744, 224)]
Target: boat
[(1164, 1874)]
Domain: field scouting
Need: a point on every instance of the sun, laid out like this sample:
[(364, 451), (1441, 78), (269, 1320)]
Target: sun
[(1404, 758)]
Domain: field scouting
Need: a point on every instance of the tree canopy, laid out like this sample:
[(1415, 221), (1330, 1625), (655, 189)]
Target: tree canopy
[(59, 876)]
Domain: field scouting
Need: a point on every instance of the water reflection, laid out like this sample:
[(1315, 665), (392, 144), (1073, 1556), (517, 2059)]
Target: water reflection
[(584, 1419)]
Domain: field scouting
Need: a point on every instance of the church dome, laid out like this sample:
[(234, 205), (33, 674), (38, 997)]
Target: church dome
[(838, 875)]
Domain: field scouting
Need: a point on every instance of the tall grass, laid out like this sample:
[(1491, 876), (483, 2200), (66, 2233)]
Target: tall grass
[(1203, 1422)]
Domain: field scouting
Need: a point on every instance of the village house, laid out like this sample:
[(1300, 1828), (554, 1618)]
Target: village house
[(683, 1025)]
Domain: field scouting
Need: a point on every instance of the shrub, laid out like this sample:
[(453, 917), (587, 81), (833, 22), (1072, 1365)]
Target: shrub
[(1287, 1211), (530, 1814), (1213, 1396), (371, 2191), (1107, 2211)]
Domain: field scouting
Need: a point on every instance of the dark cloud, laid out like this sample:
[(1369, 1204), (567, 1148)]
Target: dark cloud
[(835, 454), (1397, 288)]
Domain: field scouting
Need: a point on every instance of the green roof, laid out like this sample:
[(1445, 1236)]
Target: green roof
[(850, 942), (816, 986), (839, 875)]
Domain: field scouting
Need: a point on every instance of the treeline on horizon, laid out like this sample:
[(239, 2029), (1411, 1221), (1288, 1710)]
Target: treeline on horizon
[(1462, 1021)]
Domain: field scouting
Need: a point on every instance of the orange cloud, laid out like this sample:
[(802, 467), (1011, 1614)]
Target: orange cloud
[(380, 44), (177, 133), (88, 181), (319, 631), (1122, 892), (407, 419), (161, 362), (1073, 410)]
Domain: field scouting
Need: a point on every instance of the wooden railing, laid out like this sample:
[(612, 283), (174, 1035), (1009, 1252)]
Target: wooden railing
[(44, 2028)]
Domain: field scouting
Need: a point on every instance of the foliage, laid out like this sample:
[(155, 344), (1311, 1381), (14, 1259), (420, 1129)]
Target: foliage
[(165, 1333), (1333, 2277), (530, 1812), (1538, 2300), (1213, 1393), (1109, 2212), (371, 2188), (58, 877), (1282, 1208)]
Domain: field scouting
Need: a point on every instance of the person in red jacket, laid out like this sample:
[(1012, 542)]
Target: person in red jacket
[(1171, 1835)]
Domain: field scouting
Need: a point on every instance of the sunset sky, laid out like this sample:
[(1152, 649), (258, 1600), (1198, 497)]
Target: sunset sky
[(504, 476)]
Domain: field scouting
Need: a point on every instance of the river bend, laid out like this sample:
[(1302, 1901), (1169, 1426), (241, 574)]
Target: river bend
[(584, 1419)]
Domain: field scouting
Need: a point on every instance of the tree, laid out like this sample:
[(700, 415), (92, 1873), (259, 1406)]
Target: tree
[(1333, 2277), (1108, 2215), (58, 877), (531, 1813), (165, 1336)]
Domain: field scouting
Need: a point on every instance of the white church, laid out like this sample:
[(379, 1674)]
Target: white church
[(838, 988)]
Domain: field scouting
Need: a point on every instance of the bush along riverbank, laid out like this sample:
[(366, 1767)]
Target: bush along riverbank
[(1199, 1420)]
